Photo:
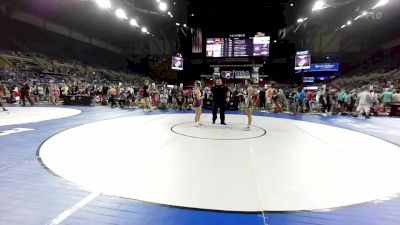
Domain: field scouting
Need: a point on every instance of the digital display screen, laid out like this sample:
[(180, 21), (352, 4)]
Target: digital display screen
[(177, 63), (261, 46), (237, 47), (303, 60)]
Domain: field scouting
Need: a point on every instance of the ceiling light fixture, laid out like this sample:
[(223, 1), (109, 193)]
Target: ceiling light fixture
[(120, 13), (105, 4), (319, 5)]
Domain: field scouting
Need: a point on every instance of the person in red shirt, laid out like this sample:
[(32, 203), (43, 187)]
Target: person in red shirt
[(187, 98), (309, 98)]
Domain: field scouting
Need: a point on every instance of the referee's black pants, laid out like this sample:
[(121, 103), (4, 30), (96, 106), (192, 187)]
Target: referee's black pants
[(221, 106)]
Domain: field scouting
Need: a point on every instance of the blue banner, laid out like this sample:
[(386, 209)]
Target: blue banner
[(322, 67)]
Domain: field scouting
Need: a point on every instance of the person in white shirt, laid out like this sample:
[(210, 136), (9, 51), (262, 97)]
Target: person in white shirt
[(365, 100), (163, 99), (40, 91)]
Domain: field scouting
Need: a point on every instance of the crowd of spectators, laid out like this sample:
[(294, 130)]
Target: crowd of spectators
[(49, 82)]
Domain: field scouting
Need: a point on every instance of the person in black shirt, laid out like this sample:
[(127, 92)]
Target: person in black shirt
[(25, 93), (262, 98), (180, 97), (146, 96), (220, 98)]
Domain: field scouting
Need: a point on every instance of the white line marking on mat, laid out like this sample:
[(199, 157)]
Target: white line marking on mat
[(67, 213)]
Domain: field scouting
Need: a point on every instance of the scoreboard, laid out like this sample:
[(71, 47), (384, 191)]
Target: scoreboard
[(237, 47)]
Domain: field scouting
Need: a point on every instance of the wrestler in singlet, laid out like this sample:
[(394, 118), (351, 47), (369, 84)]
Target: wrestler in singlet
[(249, 103), (198, 99), (197, 102)]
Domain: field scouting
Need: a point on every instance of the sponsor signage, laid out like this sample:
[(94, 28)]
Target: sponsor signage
[(207, 76), (308, 80), (237, 35), (322, 67), (236, 74)]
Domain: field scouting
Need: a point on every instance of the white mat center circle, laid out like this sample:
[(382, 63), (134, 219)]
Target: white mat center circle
[(232, 131), (296, 166)]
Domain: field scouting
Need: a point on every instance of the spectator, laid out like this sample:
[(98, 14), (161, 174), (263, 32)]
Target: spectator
[(396, 97), (262, 98), (113, 96), (25, 93), (364, 103), (387, 99)]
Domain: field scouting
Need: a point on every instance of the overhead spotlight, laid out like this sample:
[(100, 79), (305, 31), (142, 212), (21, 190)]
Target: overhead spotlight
[(381, 3), (178, 24), (319, 5), (158, 1), (275, 41), (121, 14), (134, 23), (364, 13), (300, 20), (148, 32), (169, 13), (349, 23), (343, 26), (144, 29), (172, 16), (174, 3), (184, 25), (106, 4), (192, 14), (291, 4), (163, 6)]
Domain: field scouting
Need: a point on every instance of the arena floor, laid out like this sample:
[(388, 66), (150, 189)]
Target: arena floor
[(96, 165)]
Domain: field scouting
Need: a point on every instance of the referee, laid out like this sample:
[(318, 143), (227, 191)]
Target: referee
[(220, 98)]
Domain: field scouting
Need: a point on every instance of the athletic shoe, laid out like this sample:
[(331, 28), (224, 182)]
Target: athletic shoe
[(246, 128), (223, 123)]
